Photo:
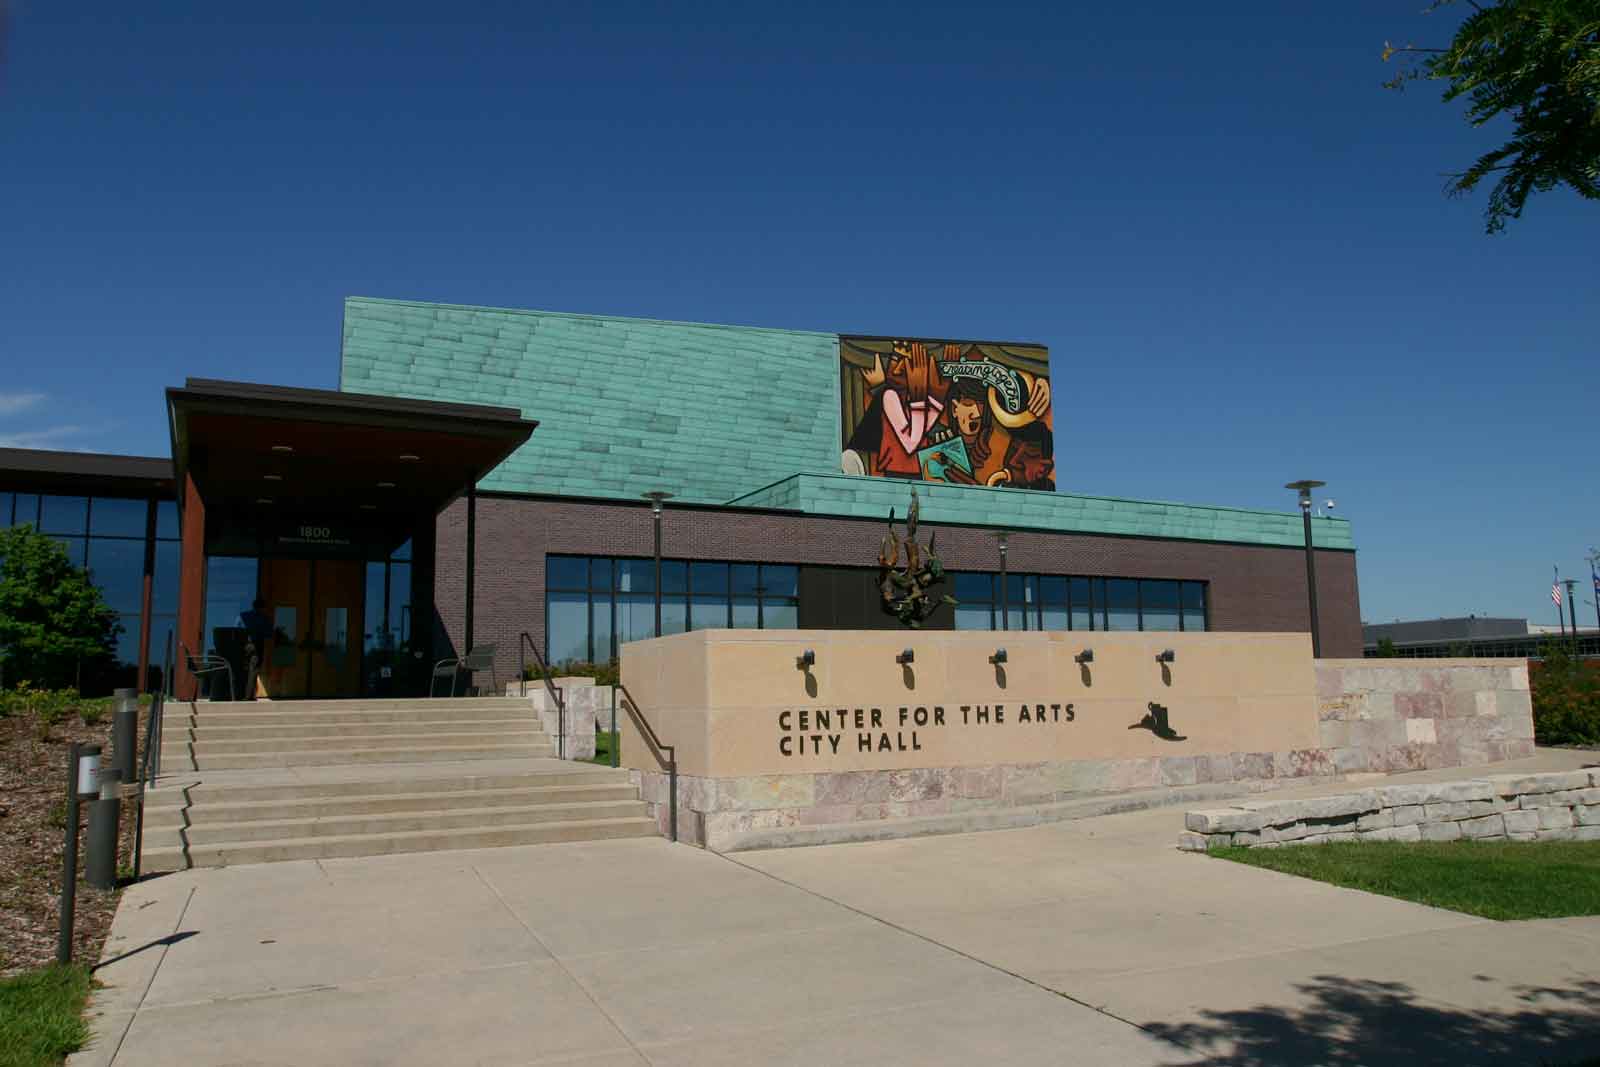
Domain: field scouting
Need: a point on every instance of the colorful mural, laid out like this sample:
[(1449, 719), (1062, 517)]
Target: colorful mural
[(947, 411)]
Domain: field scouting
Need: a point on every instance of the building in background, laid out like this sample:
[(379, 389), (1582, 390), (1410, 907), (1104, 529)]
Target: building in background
[(481, 477), (1473, 635)]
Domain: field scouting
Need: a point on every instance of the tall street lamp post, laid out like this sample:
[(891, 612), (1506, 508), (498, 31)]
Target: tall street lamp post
[(1304, 488), (1003, 537), (656, 496), (1572, 606)]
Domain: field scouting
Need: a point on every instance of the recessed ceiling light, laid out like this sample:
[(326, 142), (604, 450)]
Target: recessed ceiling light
[(263, 500), (409, 457), (283, 448), (272, 477), (369, 507), (385, 485)]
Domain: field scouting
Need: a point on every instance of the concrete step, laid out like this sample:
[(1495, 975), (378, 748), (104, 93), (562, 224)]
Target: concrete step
[(350, 845), (293, 716), (213, 732), (209, 833), (207, 812), (399, 783), (326, 756), (204, 745), (273, 707)]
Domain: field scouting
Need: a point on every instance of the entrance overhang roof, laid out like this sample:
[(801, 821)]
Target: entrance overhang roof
[(251, 447)]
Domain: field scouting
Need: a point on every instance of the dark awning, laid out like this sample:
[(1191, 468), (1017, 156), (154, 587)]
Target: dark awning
[(250, 447)]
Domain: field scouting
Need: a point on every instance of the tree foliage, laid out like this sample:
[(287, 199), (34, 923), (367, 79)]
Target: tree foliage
[(1566, 697), (54, 621), (1536, 63)]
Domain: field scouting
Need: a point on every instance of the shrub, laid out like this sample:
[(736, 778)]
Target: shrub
[(1566, 698), (602, 673)]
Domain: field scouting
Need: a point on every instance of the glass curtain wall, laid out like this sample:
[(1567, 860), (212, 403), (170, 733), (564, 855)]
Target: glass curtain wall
[(1053, 602), (596, 604), (109, 537)]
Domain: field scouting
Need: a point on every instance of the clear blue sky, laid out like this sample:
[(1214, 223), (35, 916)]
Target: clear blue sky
[(1232, 239)]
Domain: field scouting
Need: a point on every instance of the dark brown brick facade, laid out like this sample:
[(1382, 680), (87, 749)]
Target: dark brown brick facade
[(1252, 587)]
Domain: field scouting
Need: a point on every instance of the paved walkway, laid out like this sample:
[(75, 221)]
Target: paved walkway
[(1090, 942)]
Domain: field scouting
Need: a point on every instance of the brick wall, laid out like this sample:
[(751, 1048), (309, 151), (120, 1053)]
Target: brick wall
[(1253, 588)]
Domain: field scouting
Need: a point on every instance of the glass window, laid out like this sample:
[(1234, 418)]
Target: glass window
[(1122, 604), (164, 597), (746, 579), (566, 572), (167, 520), (26, 510), (230, 589), (1082, 605), (746, 614), (6, 501), (674, 576), (74, 547), (974, 588), (377, 636), (128, 641), (973, 616), (1159, 603), (603, 643), (1022, 602), (567, 627), (400, 601), (162, 627), (600, 574), (111, 516), (1053, 602), (709, 579), (63, 514), (117, 567), (1194, 606), (674, 614), (780, 580), (403, 552), (781, 615), (636, 617), (636, 576)]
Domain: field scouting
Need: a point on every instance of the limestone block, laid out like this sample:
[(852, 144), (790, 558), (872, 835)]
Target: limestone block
[(1521, 822), (1407, 814), (1440, 831), (1401, 758), (1222, 820), (1557, 835), (1523, 836), (1192, 842), (1303, 763), (1278, 812), (973, 782), (1437, 813), (767, 791), (1352, 760), (1588, 815), (1421, 732), (1518, 675), (1551, 818), (1487, 826), (1594, 776), (1544, 783), (1298, 831), (1246, 838), (1376, 820), (1425, 705), (1394, 833), (1178, 770), (1251, 766), (1394, 796), (1586, 833), (1213, 768), (1585, 796), (1333, 734)]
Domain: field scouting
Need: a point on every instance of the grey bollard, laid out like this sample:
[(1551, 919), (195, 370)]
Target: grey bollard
[(105, 817), (125, 733)]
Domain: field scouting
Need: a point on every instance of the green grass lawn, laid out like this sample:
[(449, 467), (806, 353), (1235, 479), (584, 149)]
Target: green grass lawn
[(604, 742), (41, 1016), (1494, 879)]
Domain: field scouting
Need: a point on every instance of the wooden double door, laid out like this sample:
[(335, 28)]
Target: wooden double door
[(316, 607)]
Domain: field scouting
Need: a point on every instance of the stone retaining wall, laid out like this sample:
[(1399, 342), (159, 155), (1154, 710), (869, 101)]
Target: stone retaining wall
[(1410, 715), (1559, 806), (587, 704)]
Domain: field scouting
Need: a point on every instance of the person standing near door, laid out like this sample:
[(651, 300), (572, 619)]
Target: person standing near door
[(257, 628)]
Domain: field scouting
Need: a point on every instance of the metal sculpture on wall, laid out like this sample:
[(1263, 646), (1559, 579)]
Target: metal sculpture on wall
[(1156, 722), (909, 571), (964, 413)]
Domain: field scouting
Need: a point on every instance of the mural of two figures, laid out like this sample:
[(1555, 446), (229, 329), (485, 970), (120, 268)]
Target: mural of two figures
[(958, 412)]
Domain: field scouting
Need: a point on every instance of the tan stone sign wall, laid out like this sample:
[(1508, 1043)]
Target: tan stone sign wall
[(736, 704)]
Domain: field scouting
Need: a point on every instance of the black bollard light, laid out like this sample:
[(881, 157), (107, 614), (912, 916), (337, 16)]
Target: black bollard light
[(105, 817), (125, 733)]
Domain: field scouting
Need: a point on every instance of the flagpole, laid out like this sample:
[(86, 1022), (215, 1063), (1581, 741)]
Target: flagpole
[(1594, 583), (1555, 589)]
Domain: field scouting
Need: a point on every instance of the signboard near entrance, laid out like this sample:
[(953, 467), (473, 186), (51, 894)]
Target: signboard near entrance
[(318, 538)]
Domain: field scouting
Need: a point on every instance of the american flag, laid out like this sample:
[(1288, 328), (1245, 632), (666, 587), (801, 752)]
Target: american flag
[(1555, 589)]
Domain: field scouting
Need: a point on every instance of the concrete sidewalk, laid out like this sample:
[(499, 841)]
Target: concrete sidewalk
[(1091, 942)]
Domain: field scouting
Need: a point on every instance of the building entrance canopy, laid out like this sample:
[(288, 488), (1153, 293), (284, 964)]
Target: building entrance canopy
[(266, 472)]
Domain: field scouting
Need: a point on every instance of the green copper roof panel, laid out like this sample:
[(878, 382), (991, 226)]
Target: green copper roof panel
[(1024, 509), (624, 405)]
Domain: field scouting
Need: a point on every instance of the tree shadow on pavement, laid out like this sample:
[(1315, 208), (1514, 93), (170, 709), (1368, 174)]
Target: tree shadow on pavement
[(1376, 1024)]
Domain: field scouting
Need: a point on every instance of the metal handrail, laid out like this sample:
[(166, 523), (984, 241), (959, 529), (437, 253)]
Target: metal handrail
[(657, 747), (210, 663), (150, 758), (525, 642)]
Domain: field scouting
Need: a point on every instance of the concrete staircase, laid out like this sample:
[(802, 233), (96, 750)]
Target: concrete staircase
[(310, 733), (269, 781)]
